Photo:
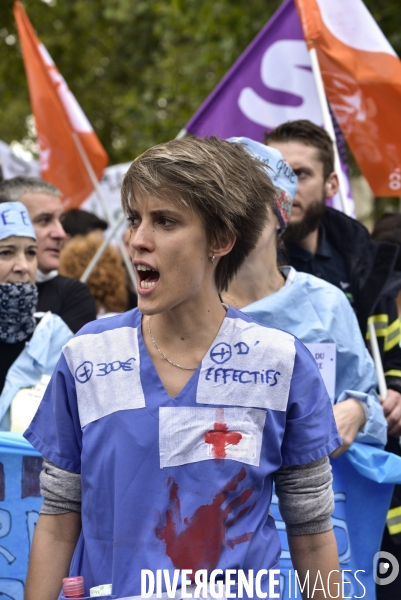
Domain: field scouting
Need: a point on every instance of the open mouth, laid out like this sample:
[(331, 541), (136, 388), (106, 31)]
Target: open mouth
[(148, 277)]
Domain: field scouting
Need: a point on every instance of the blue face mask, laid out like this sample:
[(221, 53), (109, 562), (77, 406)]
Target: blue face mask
[(17, 306)]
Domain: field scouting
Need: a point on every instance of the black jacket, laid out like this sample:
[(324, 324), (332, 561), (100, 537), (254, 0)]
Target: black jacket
[(375, 279), (68, 298), (374, 271)]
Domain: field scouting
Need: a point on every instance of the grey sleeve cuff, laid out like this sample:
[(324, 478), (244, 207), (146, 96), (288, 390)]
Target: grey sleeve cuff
[(306, 499), (60, 489)]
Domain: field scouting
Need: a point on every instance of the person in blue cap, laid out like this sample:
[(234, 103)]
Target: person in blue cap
[(310, 308), (318, 313), (23, 361), (163, 428)]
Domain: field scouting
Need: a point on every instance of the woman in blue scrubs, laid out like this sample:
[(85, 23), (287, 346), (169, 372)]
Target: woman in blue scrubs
[(162, 428)]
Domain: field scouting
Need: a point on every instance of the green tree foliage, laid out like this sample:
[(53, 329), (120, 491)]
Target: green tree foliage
[(139, 68)]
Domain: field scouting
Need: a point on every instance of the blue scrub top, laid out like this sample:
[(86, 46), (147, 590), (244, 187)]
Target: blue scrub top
[(318, 312), (184, 482)]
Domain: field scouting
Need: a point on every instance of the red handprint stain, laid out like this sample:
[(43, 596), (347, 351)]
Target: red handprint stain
[(198, 542)]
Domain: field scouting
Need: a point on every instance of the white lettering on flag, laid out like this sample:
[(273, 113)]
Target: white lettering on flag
[(295, 78)]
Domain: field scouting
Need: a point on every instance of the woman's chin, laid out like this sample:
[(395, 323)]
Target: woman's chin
[(148, 306)]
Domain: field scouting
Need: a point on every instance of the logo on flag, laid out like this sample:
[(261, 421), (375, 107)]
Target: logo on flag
[(270, 83), (362, 80)]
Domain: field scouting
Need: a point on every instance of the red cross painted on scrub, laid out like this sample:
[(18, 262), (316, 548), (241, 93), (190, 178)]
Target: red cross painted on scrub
[(219, 437)]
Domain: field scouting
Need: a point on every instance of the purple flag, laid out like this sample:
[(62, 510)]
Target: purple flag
[(270, 83)]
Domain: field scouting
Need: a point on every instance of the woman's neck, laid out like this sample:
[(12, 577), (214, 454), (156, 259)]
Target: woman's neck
[(188, 327), (258, 277), (178, 339)]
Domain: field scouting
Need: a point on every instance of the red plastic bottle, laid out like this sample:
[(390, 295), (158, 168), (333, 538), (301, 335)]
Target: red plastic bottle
[(73, 587)]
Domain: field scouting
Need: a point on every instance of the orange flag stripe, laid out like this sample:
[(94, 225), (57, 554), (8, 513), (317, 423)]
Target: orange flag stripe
[(58, 116), (363, 85)]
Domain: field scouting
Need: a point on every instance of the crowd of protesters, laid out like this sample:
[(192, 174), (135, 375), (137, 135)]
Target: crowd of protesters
[(287, 261)]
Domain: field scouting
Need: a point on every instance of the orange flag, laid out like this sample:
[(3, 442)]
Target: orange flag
[(58, 118), (362, 79)]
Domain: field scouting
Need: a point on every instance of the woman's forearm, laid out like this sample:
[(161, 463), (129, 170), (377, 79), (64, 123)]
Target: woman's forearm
[(53, 544), (315, 553)]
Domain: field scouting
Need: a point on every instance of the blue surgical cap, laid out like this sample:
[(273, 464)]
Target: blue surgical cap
[(279, 171), (15, 221)]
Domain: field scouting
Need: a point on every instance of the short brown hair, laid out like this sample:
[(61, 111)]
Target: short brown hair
[(309, 134), (219, 180)]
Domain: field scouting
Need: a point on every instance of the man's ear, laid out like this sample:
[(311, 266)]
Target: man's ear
[(331, 185)]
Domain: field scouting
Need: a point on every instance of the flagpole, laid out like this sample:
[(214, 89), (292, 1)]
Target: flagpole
[(100, 251), (106, 208), (377, 360), (181, 134), (328, 125)]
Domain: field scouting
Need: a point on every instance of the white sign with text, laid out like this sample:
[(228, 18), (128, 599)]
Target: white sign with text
[(325, 357)]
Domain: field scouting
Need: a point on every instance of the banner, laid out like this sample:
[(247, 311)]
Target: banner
[(363, 479), (12, 165), (111, 188), (270, 83), (110, 183), (362, 79), (20, 504), (58, 119)]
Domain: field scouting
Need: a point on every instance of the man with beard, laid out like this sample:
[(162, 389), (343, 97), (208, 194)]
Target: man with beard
[(309, 151), (329, 244)]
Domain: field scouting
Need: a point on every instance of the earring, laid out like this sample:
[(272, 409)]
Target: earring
[(213, 259)]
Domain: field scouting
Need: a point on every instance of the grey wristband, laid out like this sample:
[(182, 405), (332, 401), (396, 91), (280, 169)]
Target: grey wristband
[(61, 490), (306, 499)]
